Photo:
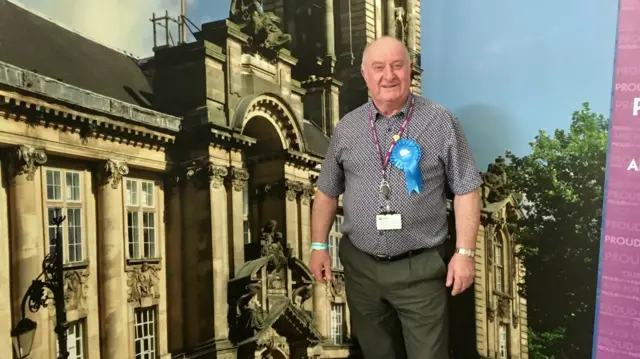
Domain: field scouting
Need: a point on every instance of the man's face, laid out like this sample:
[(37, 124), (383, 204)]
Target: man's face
[(387, 72)]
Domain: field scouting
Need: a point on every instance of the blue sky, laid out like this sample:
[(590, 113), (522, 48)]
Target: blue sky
[(509, 68), (506, 68)]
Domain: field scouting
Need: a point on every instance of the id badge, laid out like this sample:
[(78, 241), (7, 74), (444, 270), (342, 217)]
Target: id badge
[(389, 221)]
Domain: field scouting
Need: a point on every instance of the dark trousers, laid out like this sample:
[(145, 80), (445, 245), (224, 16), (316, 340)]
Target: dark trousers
[(398, 309)]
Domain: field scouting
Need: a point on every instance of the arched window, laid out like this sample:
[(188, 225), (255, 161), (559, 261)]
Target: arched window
[(500, 263)]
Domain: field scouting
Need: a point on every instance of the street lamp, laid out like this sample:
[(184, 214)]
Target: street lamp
[(51, 279)]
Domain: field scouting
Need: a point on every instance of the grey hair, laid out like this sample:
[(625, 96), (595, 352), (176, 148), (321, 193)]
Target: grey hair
[(366, 49)]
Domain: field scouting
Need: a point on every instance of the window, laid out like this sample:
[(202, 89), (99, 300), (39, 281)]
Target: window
[(337, 323), (64, 191), (503, 350), (75, 341), (141, 219), (145, 337), (499, 264), (245, 213), (334, 240)]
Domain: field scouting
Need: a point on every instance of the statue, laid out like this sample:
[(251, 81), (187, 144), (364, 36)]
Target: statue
[(401, 29), (495, 181), (261, 26), (273, 248)]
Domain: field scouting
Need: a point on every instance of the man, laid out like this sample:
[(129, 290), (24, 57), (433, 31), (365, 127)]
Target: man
[(395, 215)]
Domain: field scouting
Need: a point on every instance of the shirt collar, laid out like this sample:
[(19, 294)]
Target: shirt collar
[(401, 113)]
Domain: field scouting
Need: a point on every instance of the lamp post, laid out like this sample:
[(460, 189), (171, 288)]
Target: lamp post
[(36, 297)]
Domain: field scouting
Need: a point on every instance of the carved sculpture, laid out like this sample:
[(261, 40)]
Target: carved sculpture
[(504, 307), (301, 294), (75, 289), (337, 286), (272, 248), (272, 341), (32, 158), (113, 173), (143, 282), (261, 26), (495, 182), (491, 314), (263, 286), (307, 194), (217, 175), (239, 178), (401, 28), (292, 189), (206, 173)]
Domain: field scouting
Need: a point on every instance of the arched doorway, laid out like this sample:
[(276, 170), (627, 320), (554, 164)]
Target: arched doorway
[(271, 122), (265, 162)]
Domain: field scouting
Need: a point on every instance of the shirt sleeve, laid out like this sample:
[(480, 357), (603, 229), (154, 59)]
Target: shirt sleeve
[(331, 179), (461, 169)]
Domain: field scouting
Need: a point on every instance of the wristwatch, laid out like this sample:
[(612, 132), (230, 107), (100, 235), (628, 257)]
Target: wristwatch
[(466, 252)]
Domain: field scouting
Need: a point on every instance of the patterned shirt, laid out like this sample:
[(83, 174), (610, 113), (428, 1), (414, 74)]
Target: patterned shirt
[(352, 167)]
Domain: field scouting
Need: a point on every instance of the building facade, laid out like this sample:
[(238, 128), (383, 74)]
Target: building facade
[(491, 317), (186, 181)]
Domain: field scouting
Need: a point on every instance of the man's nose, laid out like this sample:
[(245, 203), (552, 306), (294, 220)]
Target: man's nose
[(388, 74)]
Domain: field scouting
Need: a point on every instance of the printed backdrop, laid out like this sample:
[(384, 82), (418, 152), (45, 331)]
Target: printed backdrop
[(618, 308), (532, 82)]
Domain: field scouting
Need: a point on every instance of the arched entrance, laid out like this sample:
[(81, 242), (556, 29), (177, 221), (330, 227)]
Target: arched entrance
[(271, 122)]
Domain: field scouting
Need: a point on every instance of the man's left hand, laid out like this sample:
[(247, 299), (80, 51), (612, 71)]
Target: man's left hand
[(461, 273)]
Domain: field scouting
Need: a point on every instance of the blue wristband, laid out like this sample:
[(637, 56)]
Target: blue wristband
[(320, 246)]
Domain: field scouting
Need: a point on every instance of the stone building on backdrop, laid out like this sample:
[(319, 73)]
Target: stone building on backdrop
[(187, 180)]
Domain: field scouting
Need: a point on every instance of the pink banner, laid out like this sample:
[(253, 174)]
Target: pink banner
[(617, 332)]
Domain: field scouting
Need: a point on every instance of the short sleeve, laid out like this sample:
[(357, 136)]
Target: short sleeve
[(331, 179), (461, 169)]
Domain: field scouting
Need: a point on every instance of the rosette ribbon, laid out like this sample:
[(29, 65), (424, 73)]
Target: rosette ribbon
[(406, 156)]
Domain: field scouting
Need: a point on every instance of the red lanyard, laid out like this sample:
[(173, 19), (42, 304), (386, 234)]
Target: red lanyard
[(385, 162)]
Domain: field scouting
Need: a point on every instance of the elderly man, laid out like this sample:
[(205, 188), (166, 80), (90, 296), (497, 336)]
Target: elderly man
[(391, 158)]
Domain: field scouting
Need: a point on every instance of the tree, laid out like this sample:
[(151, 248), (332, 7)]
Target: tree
[(561, 181)]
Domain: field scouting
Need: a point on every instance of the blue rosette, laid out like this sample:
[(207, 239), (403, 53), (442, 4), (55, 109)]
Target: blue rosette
[(406, 156)]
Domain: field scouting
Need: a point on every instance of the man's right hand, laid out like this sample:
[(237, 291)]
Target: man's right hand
[(320, 265)]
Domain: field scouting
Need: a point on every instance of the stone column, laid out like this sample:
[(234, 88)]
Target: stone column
[(196, 279), (321, 309), (6, 350), (292, 189), (114, 339), (390, 17), (239, 178), (27, 239), (174, 245), (330, 37), (305, 222), (220, 249), (411, 24)]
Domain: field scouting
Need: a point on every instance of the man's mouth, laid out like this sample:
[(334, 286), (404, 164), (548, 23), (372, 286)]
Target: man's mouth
[(389, 86)]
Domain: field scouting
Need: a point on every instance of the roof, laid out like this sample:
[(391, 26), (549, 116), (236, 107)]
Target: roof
[(31, 42)]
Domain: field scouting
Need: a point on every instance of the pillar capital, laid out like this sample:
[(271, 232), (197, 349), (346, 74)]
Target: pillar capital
[(217, 175), (292, 189), (28, 160), (238, 178), (111, 173), (307, 193), (206, 173)]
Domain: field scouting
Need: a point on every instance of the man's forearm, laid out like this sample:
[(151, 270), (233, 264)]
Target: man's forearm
[(467, 214), (322, 216)]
